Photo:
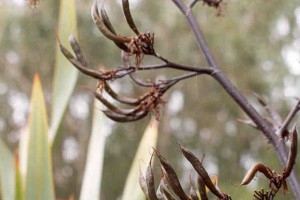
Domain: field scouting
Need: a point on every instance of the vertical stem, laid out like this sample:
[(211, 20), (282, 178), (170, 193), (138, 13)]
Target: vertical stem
[(265, 127)]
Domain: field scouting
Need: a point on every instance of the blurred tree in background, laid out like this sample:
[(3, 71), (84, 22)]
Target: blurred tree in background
[(255, 42)]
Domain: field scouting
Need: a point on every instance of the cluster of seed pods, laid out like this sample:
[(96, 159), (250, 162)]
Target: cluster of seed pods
[(170, 188)]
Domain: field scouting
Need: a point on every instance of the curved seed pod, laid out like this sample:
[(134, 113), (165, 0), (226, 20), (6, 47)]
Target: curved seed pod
[(108, 104), (103, 29), (122, 99), (123, 118), (65, 51), (106, 21), (202, 188), (150, 183), (109, 26), (200, 170), (259, 167), (143, 184), (167, 194), (171, 177), (129, 19), (76, 48), (79, 65), (292, 154), (140, 81), (127, 112), (159, 192)]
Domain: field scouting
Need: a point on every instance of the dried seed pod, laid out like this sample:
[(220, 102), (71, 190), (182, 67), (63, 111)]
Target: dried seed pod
[(127, 14), (159, 192), (139, 81), (109, 26), (76, 48), (202, 188), (123, 118), (143, 184), (292, 154), (200, 170), (103, 29), (171, 177), (163, 190), (79, 65), (122, 99), (127, 112), (150, 183), (168, 195), (259, 167)]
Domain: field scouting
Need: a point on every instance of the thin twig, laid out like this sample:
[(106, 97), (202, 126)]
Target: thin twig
[(288, 119), (177, 66), (276, 118)]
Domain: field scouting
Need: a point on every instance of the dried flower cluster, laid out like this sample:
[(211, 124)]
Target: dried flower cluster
[(139, 45)]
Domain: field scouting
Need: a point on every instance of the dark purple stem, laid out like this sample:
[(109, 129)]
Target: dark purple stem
[(265, 128)]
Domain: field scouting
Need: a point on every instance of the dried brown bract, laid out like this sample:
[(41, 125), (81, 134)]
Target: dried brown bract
[(142, 44), (292, 154), (214, 3), (172, 177)]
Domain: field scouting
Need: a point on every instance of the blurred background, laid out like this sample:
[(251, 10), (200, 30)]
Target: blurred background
[(256, 43)]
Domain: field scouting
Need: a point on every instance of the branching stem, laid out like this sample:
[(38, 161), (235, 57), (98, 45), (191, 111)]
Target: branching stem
[(289, 118), (220, 77)]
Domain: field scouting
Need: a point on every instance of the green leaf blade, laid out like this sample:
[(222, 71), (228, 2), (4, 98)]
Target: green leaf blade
[(91, 185), (65, 75), (19, 189), (7, 173), (38, 183)]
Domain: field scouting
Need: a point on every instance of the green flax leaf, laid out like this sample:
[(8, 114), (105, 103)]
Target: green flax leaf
[(19, 187), (65, 75), (7, 173), (38, 183), (93, 168), (132, 190)]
